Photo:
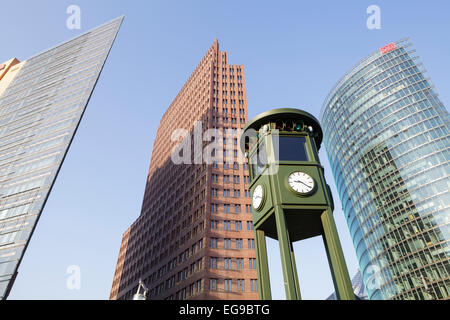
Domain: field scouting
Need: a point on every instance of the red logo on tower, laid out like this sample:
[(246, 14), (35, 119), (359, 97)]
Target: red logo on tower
[(389, 47)]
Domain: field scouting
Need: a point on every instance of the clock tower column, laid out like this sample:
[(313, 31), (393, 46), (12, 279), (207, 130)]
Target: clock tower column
[(290, 198)]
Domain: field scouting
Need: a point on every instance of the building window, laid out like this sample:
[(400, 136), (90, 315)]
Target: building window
[(226, 208), (227, 285), (249, 225), (240, 285), (212, 284), (227, 263), (252, 263), (240, 263), (213, 264), (227, 225), (237, 193), (238, 225), (214, 224), (254, 285), (251, 243), (226, 243), (237, 208), (214, 243), (239, 243)]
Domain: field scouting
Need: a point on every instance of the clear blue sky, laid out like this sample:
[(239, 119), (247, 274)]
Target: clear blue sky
[(293, 52)]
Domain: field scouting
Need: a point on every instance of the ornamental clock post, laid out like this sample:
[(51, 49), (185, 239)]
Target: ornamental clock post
[(290, 198)]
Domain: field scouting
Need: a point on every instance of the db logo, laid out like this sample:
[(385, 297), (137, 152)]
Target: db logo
[(389, 47), (2, 66)]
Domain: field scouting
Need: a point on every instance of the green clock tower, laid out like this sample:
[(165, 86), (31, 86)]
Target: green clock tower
[(290, 198)]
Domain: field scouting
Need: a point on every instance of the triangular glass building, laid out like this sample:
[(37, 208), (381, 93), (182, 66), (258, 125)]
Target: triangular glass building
[(42, 101)]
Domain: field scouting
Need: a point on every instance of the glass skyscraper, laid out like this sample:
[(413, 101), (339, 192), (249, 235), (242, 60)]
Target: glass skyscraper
[(358, 288), (42, 101), (387, 137)]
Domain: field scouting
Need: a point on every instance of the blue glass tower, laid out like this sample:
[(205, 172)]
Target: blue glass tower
[(387, 137)]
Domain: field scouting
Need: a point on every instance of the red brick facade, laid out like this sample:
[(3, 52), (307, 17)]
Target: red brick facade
[(194, 237)]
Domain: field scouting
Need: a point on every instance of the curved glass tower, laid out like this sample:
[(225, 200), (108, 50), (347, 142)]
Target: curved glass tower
[(387, 138)]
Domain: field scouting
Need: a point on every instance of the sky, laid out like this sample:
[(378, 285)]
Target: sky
[(293, 53)]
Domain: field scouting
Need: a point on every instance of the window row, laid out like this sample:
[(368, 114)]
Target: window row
[(229, 285), (230, 225), (227, 208), (227, 193), (226, 178), (231, 263), (228, 243)]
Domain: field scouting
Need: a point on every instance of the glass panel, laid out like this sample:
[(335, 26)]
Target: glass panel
[(291, 148), (259, 159)]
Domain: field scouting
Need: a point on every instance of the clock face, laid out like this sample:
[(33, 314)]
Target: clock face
[(258, 196), (301, 182)]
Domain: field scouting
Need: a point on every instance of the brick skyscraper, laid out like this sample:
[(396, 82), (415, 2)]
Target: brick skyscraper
[(194, 236)]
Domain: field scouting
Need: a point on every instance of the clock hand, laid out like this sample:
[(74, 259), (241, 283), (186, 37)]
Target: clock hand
[(303, 183)]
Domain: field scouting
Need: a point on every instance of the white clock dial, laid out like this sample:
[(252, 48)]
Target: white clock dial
[(258, 196), (301, 182)]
